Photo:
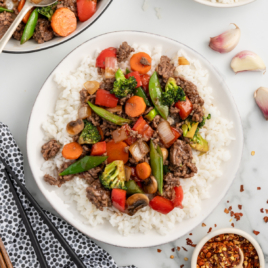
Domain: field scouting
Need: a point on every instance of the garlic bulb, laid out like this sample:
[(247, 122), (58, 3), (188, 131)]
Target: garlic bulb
[(226, 41), (247, 61), (261, 98)]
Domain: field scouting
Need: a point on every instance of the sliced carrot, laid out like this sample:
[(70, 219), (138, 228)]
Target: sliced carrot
[(72, 150), (135, 64), (135, 106), (101, 133), (116, 151), (20, 6), (143, 170), (63, 21)]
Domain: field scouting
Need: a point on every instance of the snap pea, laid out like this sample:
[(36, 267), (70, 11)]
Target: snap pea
[(139, 92), (151, 115), (155, 91), (29, 27), (109, 116), (84, 164), (156, 161), (2, 9), (133, 188)]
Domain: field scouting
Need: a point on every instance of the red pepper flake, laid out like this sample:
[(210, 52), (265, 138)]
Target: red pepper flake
[(159, 250), (266, 210), (173, 249), (178, 248), (210, 229), (256, 232), (265, 219), (232, 224), (240, 206), (184, 248), (226, 210), (258, 188), (227, 201), (232, 213), (215, 225), (189, 242), (190, 234), (171, 257), (238, 216), (267, 201), (230, 208), (241, 188), (182, 266), (261, 210), (204, 225)]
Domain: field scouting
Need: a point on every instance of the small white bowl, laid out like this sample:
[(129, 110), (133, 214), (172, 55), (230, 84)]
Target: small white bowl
[(227, 231), (240, 3)]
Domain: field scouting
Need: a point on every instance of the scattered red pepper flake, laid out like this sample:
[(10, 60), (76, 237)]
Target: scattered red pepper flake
[(265, 219), (226, 210), (232, 224), (227, 201), (182, 266), (230, 208), (185, 258), (241, 188), (232, 213), (240, 206), (238, 216), (204, 225), (171, 257), (159, 250), (178, 248), (258, 188), (173, 249), (190, 234), (266, 210), (253, 153), (189, 242), (184, 248), (267, 201), (210, 229), (256, 232), (215, 225), (261, 210)]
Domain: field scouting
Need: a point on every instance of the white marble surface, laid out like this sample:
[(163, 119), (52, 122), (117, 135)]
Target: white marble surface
[(21, 77)]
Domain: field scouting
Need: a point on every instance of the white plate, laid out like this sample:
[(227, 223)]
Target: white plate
[(240, 3), (13, 45), (45, 104)]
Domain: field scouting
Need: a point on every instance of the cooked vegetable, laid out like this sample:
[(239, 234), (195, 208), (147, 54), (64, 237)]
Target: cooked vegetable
[(116, 151), (108, 52), (127, 172), (84, 112), (156, 161), (121, 134), (136, 65), (114, 175), (29, 27), (110, 66), (183, 61), (165, 154), (84, 164), (108, 116), (143, 170), (177, 202), (128, 71), (86, 9), (143, 128), (173, 93), (136, 75), (201, 124), (151, 115), (161, 204), (91, 86), (139, 150), (189, 129), (75, 127), (135, 106), (176, 133), (165, 133), (156, 96), (166, 170), (20, 6), (139, 92), (90, 134), (185, 108), (123, 86), (136, 202), (101, 133), (98, 148), (7, 10), (72, 150), (47, 11), (119, 199), (199, 143), (145, 78), (133, 188), (105, 98), (150, 185), (63, 21), (115, 109)]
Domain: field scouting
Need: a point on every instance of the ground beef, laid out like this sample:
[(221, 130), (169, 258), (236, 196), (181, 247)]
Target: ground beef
[(149, 109), (170, 181), (6, 20), (107, 84), (94, 119), (156, 121), (19, 31), (51, 180), (3, 3), (50, 149), (71, 4), (123, 100), (86, 150), (192, 93), (90, 175), (165, 68), (100, 71), (63, 179), (181, 160), (174, 110), (98, 196), (123, 52), (84, 96), (108, 128), (43, 31), (145, 62)]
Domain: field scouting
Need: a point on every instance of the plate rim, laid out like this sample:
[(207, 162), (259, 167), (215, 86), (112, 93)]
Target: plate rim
[(222, 80), (220, 5)]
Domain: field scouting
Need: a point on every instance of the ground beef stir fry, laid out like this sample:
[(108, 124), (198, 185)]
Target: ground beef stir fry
[(131, 149), (6, 20), (43, 31)]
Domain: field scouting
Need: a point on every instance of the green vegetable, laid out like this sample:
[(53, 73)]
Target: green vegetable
[(84, 164), (29, 27), (128, 71), (156, 96), (114, 175), (201, 124), (166, 170), (109, 116), (189, 129), (123, 86), (156, 161), (7, 10), (139, 92), (173, 93), (90, 134), (47, 11), (199, 143), (133, 188), (151, 115)]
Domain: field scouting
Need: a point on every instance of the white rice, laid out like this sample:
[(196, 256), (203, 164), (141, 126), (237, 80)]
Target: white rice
[(195, 189), (224, 1)]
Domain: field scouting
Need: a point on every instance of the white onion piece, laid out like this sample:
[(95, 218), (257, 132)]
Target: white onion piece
[(91, 86), (115, 109), (84, 112), (110, 67), (127, 172), (119, 135), (139, 150), (165, 132)]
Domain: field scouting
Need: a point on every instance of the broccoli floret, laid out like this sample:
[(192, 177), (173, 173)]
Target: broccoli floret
[(122, 86), (203, 122), (90, 134), (114, 175), (173, 93), (47, 11)]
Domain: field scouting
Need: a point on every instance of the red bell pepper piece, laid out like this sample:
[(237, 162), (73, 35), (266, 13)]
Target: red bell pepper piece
[(119, 199), (178, 197), (108, 52), (185, 108), (136, 75), (145, 78), (143, 128), (99, 148), (130, 140), (161, 204), (86, 9), (105, 98)]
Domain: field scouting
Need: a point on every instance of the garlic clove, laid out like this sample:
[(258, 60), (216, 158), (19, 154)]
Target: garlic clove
[(261, 98), (226, 41), (247, 61)]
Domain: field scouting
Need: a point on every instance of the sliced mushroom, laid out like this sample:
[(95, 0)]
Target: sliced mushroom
[(150, 185), (75, 127), (136, 202), (165, 154)]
